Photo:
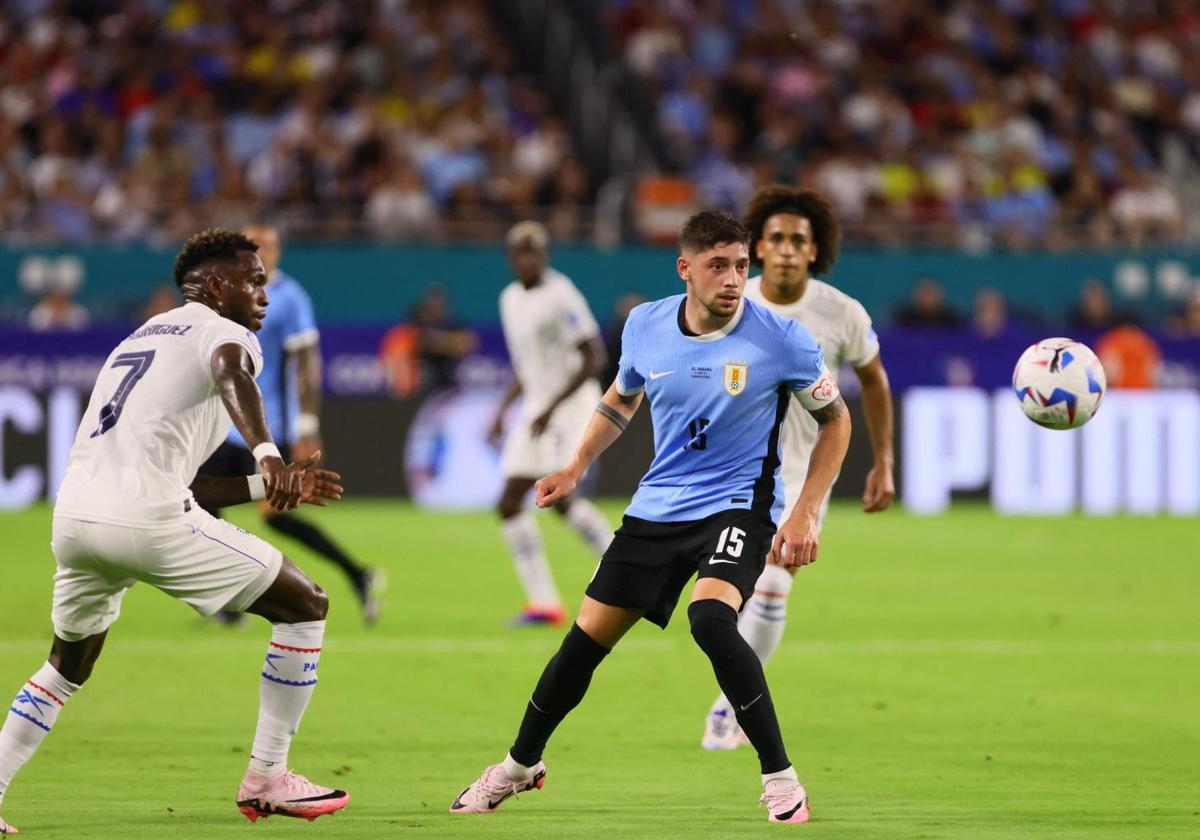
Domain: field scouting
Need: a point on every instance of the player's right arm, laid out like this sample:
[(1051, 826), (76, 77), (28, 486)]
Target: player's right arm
[(612, 416), (496, 430), (233, 372)]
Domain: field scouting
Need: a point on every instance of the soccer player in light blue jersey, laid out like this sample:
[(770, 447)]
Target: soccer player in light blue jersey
[(291, 392), (719, 372)]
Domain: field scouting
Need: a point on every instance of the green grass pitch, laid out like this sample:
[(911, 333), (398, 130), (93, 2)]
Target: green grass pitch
[(959, 677)]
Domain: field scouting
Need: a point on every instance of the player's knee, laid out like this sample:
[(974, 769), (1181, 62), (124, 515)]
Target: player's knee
[(316, 604), (508, 506), (710, 619)]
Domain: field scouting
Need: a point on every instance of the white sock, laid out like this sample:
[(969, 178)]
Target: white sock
[(30, 719), (788, 772), (762, 621), (516, 771), (288, 679), (591, 524), (529, 558)]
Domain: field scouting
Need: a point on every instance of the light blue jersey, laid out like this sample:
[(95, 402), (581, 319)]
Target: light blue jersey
[(288, 326), (717, 401)]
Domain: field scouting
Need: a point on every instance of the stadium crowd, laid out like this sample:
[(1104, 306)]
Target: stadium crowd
[(145, 121), (960, 122)]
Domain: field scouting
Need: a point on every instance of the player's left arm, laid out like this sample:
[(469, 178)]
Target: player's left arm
[(880, 490), (303, 347), (595, 357), (797, 540), (308, 385)]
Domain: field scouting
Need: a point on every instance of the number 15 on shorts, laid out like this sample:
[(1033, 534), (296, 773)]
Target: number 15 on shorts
[(729, 543)]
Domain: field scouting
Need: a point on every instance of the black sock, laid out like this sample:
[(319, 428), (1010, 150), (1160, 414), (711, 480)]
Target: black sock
[(561, 687), (314, 538), (740, 675)]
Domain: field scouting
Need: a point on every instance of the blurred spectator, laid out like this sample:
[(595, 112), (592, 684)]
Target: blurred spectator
[(1095, 311), (612, 333), (57, 311), (399, 207), (423, 354), (928, 307), (1187, 322), (1131, 357), (1146, 211), (990, 318), (164, 298)]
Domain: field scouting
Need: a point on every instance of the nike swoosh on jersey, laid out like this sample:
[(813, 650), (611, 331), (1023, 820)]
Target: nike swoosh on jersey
[(713, 560), (660, 374)]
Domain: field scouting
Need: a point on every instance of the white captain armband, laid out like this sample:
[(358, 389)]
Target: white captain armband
[(820, 393), (258, 486)]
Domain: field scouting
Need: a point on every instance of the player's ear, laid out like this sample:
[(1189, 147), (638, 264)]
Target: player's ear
[(215, 286), (758, 249), (683, 267)]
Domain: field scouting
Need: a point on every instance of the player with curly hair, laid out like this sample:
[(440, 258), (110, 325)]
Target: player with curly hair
[(794, 236)]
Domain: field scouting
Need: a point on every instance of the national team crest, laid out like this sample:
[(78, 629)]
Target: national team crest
[(736, 374)]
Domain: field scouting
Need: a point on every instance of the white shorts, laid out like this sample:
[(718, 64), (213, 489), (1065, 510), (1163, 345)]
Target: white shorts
[(789, 501), (526, 456), (199, 559)]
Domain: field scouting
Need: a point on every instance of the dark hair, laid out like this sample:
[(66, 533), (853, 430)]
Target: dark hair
[(813, 206), (710, 228), (211, 244)]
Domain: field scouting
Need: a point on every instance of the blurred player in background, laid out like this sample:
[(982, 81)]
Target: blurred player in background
[(131, 509), (556, 351), (719, 373), (795, 235), (291, 391)]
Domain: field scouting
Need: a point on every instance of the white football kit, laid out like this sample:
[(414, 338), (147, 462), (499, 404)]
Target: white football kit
[(543, 328), (124, 512), (842, 327)]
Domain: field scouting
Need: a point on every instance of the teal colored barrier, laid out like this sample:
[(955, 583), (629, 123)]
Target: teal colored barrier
[(379, 283)]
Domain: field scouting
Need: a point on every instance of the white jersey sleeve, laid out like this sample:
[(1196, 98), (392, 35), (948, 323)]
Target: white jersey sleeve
[(581, 325), (862, 344), (222, 331)]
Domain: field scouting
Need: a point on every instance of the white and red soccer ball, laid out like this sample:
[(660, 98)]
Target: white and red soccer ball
[(1060, 383)]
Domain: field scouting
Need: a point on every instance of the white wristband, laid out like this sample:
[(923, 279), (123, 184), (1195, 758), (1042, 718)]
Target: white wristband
[(258, 486), (266, 450), (307, 425)]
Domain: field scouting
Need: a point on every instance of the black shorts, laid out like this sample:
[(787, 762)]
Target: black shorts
[(648, 563), (231, 461)]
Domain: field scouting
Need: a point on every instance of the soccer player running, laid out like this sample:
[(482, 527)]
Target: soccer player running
[(794, 234), (290, 382), (129, 510), (556, 352), (719, 372)]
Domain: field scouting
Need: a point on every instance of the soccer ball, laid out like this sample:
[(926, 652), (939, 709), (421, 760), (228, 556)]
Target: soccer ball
[(1059, 383)]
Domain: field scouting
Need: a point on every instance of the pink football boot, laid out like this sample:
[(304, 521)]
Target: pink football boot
[(489, 791), (289, 795), (7, 830), (786, 801)]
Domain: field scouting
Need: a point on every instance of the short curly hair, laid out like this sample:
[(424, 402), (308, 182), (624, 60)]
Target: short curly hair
[(210, 244), (777, 198)]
